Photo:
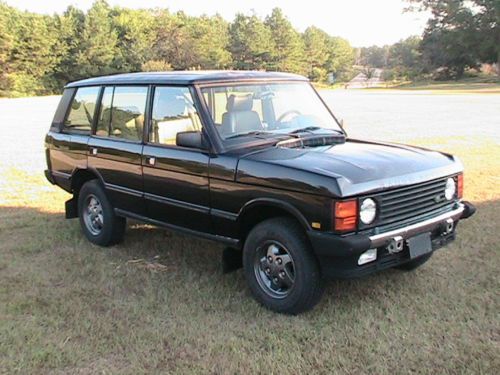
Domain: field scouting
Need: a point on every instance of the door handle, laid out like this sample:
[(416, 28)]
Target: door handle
[(93, 150), (151, 160)]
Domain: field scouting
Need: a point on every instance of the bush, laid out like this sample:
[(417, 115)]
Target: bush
[(156, 66), (23, 84)]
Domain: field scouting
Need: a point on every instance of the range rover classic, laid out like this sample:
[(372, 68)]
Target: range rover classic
[(257, 162)]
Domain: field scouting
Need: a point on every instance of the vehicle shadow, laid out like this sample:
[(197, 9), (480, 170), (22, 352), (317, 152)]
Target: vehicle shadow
[(25, 230)]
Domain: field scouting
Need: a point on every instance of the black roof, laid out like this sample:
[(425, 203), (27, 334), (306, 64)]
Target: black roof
[(187, 77)]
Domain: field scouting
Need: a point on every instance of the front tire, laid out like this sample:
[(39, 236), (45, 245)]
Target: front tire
[(280, 268), (97, 217)]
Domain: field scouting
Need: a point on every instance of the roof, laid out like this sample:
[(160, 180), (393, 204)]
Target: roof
[(187, 77)]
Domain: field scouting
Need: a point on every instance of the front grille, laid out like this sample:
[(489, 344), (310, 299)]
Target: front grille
[(405, 203)]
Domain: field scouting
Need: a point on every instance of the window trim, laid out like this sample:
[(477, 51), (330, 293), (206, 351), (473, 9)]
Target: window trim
[(65, 129), (149, 127)]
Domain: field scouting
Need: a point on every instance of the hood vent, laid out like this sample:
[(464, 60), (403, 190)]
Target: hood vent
[(312, 141)]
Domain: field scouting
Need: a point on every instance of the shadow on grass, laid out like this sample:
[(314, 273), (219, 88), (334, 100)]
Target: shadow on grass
[(66, 304), (189, 260)]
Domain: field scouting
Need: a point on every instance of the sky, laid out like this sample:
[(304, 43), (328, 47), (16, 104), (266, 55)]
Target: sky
[(362, 22)]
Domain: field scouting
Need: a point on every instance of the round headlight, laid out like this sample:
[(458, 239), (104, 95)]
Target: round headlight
[(368, 211), (449, 191)]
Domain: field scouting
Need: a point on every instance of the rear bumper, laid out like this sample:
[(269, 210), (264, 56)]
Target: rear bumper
[(339, 255)]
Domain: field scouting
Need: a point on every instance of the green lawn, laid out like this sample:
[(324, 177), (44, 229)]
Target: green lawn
[(160, 303), (489, 84)]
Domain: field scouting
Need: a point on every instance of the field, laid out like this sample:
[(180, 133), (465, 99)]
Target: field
[(483, 85), (159, 302)]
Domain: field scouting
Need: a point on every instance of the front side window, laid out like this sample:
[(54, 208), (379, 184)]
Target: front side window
[(267, 108), (122, 112), (81, 112), (173, 112)]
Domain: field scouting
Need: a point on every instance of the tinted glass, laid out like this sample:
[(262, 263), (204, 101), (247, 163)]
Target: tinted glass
[(173, 112), (81, 112), (127, 112)]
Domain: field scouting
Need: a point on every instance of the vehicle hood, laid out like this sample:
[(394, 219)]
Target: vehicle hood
[(347, 169)]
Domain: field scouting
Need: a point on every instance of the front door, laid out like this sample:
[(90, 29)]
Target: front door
[(176, 186), (115, 149)]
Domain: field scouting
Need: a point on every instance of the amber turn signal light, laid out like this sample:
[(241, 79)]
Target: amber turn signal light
[(345, 215), (460, 186)]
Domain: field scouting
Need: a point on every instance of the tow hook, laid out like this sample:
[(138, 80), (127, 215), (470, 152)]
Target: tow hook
[(447, 227), (396, 245)]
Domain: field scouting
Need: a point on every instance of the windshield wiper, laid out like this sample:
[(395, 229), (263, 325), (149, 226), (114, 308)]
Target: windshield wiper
[(254, 132), (311, 129), (308, 129)]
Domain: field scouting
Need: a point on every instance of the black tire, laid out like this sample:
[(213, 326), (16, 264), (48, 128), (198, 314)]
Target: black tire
[(288, 237), (112, 228), (415, 263)]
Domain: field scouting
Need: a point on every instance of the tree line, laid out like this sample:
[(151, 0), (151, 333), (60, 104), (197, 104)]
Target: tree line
[(460, 35), (40, 53)]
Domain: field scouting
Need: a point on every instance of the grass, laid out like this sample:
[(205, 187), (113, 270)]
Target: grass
[(476, 85), (159, 303)]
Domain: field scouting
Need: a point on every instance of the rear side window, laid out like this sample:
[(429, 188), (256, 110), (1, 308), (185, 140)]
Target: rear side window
[(81, 111), (122, 112)]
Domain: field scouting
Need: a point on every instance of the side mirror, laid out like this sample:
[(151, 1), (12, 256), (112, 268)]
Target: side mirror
[(190, 139)]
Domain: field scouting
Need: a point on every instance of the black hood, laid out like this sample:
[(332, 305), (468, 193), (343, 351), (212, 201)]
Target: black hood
[(352, 168)]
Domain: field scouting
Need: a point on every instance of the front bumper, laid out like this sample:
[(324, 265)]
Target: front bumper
[(338, 255)]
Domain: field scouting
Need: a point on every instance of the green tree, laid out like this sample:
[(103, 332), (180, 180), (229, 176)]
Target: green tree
[(7, 39), (340, 57), (316, 52), (134, 31), (460, 34), (288, 52), (99, 43), (32, 56), (251, 43), (69, 27), (208, 40)]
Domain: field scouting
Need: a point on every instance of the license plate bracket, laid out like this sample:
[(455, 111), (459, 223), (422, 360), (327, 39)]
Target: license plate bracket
[(419, 245)]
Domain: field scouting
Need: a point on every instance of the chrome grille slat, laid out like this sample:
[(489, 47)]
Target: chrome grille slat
[(427, 197), (412, 201)]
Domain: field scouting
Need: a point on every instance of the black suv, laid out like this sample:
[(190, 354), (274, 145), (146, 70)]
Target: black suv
[(257, 162)]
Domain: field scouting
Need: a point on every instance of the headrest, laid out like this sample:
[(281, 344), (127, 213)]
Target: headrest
[(239, 103)]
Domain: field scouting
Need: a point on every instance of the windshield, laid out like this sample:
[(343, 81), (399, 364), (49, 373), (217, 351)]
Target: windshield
[(267, 109)]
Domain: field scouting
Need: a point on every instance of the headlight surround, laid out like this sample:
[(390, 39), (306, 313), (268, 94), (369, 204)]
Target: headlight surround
[(367, 211), (450, 189)]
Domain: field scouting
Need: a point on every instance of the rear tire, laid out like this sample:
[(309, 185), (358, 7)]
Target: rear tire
[(415, 263), (282, 272), (97, 217)]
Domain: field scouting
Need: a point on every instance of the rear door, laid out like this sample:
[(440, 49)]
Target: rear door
[(68, 141), (176, 186), (115, 148)]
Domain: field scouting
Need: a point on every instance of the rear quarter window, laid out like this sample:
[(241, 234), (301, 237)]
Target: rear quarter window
[(81, 111)]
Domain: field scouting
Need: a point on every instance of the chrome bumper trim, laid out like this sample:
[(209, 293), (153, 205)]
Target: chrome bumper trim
[(382, 239)]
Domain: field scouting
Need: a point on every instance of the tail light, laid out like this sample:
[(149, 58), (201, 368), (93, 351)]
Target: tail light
[(345, 215), (460, 186)]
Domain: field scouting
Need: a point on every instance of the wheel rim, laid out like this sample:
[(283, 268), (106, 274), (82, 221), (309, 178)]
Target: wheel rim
[(93, 215), (274, 269)]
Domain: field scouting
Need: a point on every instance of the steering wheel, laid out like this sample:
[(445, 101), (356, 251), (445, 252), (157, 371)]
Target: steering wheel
[(288, 113)]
